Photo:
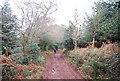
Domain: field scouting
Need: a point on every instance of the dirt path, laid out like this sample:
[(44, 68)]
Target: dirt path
[(57, 68)]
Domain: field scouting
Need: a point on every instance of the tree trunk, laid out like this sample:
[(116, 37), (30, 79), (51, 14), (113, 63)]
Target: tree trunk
[(93, 42), (24, 41), (75, 46)]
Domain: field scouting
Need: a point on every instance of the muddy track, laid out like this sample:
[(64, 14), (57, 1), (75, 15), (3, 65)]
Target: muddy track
[(58, 68)]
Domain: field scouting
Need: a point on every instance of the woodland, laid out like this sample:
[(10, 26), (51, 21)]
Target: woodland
[(91, 48)]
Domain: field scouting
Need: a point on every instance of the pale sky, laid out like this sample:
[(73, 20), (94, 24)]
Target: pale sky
[(66, 9)]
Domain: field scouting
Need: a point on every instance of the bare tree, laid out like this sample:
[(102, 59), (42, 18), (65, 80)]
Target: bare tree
[(77, 29), (33, 17)]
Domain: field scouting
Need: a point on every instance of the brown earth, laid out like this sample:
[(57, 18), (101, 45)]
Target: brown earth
[(58, 68)]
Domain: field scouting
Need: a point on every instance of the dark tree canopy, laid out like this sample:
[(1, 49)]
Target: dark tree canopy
[(8, 27), (104, 24)]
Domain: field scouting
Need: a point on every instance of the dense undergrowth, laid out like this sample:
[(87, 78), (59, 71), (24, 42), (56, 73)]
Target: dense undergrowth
[(24, 65), (96, 63)]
